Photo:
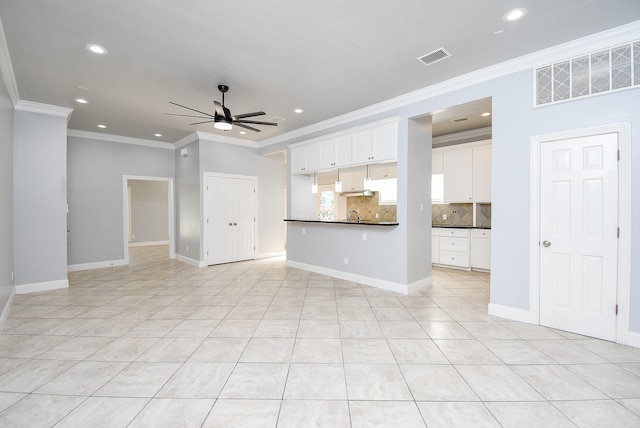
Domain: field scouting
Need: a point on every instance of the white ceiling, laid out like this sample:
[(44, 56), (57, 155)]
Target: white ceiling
[(328, 57)]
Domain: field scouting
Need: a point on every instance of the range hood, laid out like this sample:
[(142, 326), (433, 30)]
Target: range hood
[(358, 193)]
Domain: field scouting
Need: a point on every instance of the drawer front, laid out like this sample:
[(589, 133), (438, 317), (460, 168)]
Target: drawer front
[(480, 233), (454, 244), (459, 233), (454, 259)]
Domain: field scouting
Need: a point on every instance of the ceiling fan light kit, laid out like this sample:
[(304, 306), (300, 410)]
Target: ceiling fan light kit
[(222, 118)]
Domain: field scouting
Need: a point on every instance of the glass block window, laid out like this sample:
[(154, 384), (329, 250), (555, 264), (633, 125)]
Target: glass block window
[(603, 71)]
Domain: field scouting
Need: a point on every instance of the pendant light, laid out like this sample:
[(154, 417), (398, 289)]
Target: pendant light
[(367, 185), (314, 186), (338, 183)]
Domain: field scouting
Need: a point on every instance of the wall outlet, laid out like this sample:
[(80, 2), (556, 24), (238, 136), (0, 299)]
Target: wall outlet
[(187, 248), (346, 260), (444, 216), (377, 215), (364, 236), (304, 231)]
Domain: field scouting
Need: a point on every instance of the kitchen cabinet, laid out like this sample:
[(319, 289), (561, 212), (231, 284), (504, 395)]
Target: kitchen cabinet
[(353, 180), (435, 247), (388, 191), (334, 152), (453, 247), (376, 144), (382, 172), (481, 249), (458, 178), (304, 159), (437, 159), (482, 174)]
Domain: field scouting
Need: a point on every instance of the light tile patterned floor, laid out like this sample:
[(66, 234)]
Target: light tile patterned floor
[(256, 344)]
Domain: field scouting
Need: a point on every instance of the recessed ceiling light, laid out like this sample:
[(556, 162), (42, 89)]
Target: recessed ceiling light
[(514, 14), (97, 49), (243, 132), (101, 126), (485, 114), (81, 101), (158, 135), (298, 110)]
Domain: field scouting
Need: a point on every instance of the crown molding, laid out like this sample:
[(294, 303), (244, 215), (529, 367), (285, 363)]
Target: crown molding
[(119, 139), (6, 68), (193, 137), (473, 134), (40, 108), (602, 40)]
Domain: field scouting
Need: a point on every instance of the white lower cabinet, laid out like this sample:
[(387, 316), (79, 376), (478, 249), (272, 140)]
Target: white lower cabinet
[(481, 249), (461, 248)]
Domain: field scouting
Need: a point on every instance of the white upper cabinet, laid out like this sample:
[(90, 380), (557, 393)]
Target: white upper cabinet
[(458, 177), (377, 144), (482, 174), (304, 159), (437, 162), (380, 172), (334, 152)]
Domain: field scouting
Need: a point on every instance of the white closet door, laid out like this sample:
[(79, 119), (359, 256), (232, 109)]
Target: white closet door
[(219, 221), (578, 235), (243, 219)]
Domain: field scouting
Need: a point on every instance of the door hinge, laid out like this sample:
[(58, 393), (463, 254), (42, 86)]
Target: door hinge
[(618, 232), (207, 187), (618, 154), (616, 309)]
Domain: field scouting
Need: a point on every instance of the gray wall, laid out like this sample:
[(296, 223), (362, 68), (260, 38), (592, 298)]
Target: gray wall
[(188, 211), (149, 210), (40, 197), (6, 192), (514, 122), (95, 186), (238, 160)]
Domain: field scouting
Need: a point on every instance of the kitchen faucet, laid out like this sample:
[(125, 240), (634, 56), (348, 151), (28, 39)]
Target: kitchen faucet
[(353, 212)]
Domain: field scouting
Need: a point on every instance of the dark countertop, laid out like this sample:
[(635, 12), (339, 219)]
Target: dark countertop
[(445, 226), (353, 222)]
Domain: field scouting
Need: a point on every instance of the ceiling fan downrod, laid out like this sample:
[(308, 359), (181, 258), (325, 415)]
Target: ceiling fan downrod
[(223, 89)]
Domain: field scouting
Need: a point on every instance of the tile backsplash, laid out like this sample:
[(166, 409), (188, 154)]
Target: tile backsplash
[(483, 215), (368, 206), (457, 214)]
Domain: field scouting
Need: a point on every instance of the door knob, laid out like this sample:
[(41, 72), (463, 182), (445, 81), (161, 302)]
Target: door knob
[(546, 243)]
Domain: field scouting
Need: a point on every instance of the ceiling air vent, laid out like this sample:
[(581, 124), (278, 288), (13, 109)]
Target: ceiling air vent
[(460, 119), (276, 119), (435, 56)]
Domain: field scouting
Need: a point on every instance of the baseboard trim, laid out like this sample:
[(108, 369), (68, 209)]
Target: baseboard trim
[(515, 314), (421, 284), (41, 286), (634, 339), (7, 308), (96, 265), (271, 255), (190, 261), (373, 282), (147, 244)]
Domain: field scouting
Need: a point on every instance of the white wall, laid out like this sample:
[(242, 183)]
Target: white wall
[(149, 210), (40, 198), (6, 192), (95, 186)]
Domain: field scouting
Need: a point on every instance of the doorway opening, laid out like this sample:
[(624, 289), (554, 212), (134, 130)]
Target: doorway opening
[(148, 213)]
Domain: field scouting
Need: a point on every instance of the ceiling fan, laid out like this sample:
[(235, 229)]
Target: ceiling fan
[(222, 118)]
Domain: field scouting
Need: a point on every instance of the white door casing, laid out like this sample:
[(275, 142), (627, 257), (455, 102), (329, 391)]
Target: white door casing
[(578, 234), (622, 279)]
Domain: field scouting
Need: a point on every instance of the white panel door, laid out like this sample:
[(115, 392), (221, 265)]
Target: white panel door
[(578, 235), (458, 178), (219, 221), (243, 219), (229, 219)]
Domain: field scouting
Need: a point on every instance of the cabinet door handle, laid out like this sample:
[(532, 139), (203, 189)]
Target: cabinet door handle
[(235, 224), (230, 224)]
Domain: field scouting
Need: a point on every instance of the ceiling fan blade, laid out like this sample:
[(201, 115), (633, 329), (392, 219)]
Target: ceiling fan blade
[(192, 109), (256, 122), (246, 126), (186, 115), (206, 121), (219, 108), (243, 115)]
